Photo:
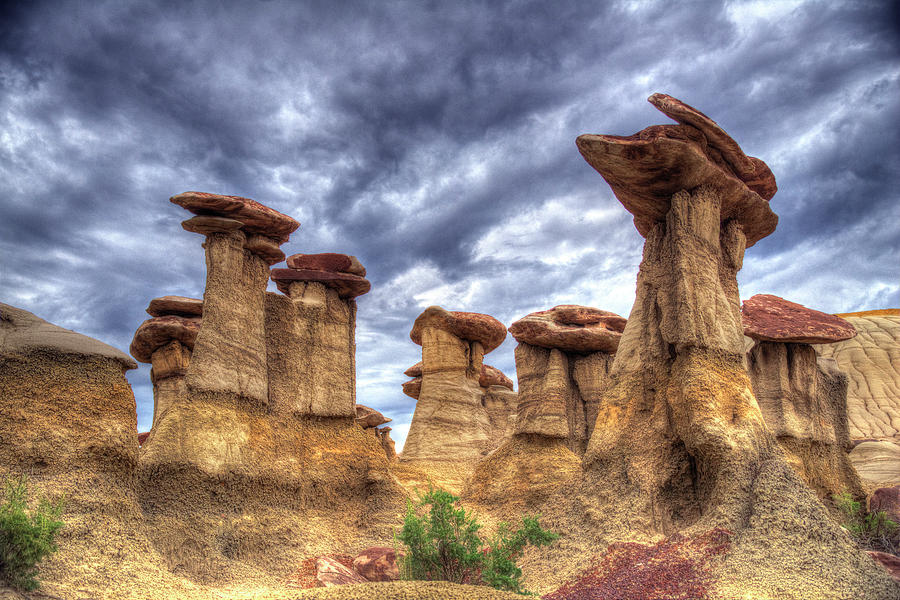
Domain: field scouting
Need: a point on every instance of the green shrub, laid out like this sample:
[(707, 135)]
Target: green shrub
[(871, 530), (444, 545), (26, 536)]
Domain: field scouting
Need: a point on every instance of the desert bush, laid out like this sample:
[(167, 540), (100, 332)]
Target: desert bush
[(871, 530), (26, 536), (444, 545)]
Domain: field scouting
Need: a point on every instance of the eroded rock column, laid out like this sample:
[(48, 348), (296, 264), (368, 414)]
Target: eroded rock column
[(242, 241), (803, 398), (167, 341), (312, 335), (450, 422)]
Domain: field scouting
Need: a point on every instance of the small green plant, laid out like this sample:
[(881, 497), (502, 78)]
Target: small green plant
[(443, 544), (26, 536), (871, 530)]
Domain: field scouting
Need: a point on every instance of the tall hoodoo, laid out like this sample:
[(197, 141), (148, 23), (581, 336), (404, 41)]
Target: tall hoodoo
[(450, 421), (680, 442), (242, 241), (803, 398), (312, 335)]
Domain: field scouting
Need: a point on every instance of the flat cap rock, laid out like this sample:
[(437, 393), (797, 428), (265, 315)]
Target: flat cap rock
[(157, 332), (571, 328), (493, 376), (22, 332), (646, 169), (369, 417), (327, 261), (181, 306), (413, 387), (256, 217), (472, 327), (770, 318), (346, 284), (414, 371)]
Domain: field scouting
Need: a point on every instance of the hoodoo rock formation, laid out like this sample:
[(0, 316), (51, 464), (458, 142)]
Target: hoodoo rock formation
[(166, 341), (451, 422), (872, 361), (803, 398), (680, 444), (562, 359)]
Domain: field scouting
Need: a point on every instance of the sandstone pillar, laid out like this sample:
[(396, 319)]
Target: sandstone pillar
[(166, 341), (242, 239), (803, 398), (312, 335), (450, 422)]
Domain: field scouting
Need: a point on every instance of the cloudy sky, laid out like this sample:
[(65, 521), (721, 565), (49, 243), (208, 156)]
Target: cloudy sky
[(433, 140)]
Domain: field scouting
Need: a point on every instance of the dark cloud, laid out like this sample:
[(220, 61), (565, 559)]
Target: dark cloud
[(433, 140)]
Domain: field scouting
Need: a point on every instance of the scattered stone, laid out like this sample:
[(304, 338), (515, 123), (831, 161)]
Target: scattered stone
[(330, 572), (369, 417), (571, 328), (327, 261), (772, 319), (378, 563), (179, 306)]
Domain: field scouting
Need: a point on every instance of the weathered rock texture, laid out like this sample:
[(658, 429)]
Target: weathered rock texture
[(450, 421), (167, 341), (680, 444), (770, 318), (562, 358)]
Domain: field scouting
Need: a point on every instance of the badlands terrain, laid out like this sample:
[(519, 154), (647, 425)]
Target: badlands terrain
[(715, 429)]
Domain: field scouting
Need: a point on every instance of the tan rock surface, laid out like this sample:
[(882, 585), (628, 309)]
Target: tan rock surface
[(872, 361), (493, 376), (877, 462)]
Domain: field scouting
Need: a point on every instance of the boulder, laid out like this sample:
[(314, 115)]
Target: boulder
[(155, 333), (175, 305), (772, 319), (493, 376), (414, 371), (571, 328), (890, 562), (346, 284), (253, 216), (473, 327), (369, 417), (330, 572), (327, 261), (888, 500), (378, 563), (413, 387)]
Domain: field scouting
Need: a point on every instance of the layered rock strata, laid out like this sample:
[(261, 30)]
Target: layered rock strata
[(680, 444), (450, 421), (561, 361), (872, 362), (803, 398), (312, 336), (166, 341)]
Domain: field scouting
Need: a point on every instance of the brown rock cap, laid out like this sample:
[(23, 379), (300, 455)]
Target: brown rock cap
[(346, 285), (159, 331), (181, 306), (369, 417), (473, 327), (327, 261), (571, 328), (256, 217), (413, 387), (644, 170), (769, 318), (414, 371), (493, 376)]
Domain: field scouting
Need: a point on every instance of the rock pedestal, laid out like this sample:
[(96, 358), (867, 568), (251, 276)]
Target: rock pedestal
[(803, 398), (450, 421), (312, 337)]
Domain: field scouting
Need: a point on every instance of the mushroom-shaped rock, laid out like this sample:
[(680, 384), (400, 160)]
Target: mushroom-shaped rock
[(414, 371), (255, 217), (770, 318), (327, 261), (472, 327), (369, 417), (157, 332), (175, 305), (571, 328), (493, 376), (646, 169), (413, 387), (347, 285)]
